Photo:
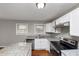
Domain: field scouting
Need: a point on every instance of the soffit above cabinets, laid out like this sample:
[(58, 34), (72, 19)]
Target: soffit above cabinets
[(29, 11)]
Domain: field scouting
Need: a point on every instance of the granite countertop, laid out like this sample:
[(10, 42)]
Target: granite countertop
[(53, 39), (18, 49), (71, 52)]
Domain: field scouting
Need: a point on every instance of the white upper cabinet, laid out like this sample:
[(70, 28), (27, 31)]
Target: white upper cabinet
[(74, 22), (58, 21), (72, 18), (50, 27), (63, 19)]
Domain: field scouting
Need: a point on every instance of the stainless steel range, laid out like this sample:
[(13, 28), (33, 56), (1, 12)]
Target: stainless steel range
[(65, 44), (68, 44)]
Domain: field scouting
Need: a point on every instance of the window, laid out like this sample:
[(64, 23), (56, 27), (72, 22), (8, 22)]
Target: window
[(39, 28), (21, 29)]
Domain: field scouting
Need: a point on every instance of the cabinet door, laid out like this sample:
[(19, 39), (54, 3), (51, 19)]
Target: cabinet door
[(53, 26), (66, 18), (58, 21), (48, 27), (74, 23), (63, 19), (42, 44), (37, 44)]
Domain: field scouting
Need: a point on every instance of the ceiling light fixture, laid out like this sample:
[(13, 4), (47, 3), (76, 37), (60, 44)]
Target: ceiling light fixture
[(40, 5)]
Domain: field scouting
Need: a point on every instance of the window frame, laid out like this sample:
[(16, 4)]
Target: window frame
[(18, 30)]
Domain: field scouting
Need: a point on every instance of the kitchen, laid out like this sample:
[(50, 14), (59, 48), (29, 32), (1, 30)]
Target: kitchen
[(65, 31), (50, 31)]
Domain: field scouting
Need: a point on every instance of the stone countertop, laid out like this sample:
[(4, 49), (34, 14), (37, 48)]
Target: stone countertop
[(17, 49), (71, 52), (53, 39)]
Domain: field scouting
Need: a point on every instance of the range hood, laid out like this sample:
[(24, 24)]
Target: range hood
[(53, 33)]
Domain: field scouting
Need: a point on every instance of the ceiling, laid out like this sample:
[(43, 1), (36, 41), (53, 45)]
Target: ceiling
[(29, 11)]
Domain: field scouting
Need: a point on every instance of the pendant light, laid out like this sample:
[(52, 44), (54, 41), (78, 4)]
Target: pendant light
[(40, 5)]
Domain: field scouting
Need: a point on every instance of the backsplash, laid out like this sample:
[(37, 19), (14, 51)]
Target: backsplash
[(65, 33), (40, 36)]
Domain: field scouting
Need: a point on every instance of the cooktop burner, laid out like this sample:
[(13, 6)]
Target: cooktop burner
[(61, 45)]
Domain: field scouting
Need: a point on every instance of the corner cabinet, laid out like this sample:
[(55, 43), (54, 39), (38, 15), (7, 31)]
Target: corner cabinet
[(41, 44), (50, 28), (62, 20)]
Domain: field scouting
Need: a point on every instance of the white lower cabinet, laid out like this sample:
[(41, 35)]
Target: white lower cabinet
[(49, 28), (42, 44)]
